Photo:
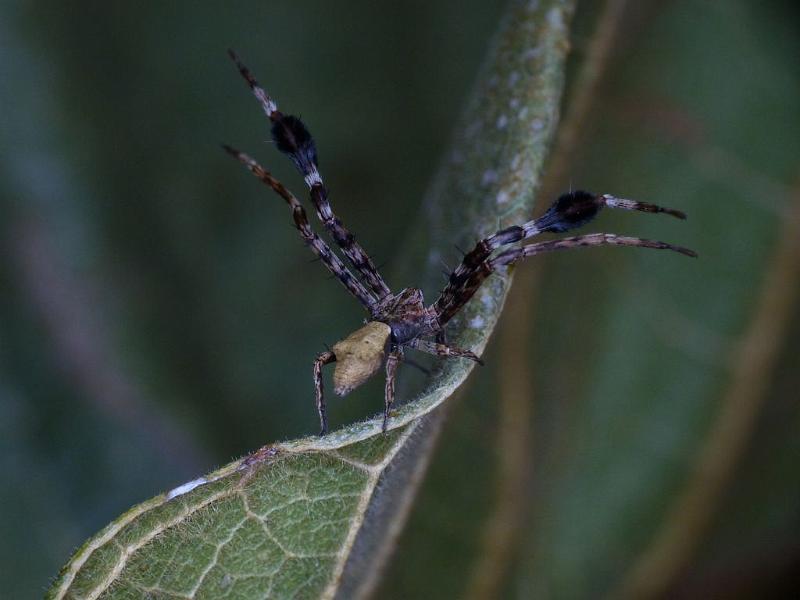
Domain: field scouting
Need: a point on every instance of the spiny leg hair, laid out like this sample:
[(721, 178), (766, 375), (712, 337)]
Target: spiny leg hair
[(293, 139), (569, 211), (319, 247)]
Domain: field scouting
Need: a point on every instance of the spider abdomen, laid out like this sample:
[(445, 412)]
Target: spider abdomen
[(359, 356)]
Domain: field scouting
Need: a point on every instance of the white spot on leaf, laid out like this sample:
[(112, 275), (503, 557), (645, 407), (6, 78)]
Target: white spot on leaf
[(186, 487)]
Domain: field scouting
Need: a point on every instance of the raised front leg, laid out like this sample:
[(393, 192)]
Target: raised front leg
[(317, 245), (569, 211), (395, 357), (293, 139), (510, 257), (323, 359)]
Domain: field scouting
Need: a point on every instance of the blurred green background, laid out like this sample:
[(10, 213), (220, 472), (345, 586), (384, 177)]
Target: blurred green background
[(159, 314)]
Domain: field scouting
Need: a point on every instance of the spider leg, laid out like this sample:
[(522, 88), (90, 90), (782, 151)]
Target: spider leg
[(569, 211), (392, 362), (293, 138), (509, 257), (444, 350), (475, 258), (474, 280), (319, 247), (323, 359)]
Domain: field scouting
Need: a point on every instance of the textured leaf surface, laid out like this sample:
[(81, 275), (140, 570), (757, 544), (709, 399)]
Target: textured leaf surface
[(288, 520), (275, 522)]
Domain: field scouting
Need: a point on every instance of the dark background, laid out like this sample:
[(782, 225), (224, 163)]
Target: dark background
[(159, 315)]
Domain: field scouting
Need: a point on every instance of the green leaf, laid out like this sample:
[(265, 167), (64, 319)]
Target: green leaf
[(311, 518)]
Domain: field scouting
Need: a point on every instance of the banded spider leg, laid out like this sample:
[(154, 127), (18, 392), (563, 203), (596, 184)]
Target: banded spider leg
[(569, 211), (317, 245), (293, 139)]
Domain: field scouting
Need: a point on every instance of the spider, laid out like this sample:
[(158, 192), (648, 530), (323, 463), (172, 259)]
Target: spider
[(401, 320)]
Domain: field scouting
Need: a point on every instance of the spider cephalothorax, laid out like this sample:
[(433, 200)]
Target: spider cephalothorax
[(401, 320)]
